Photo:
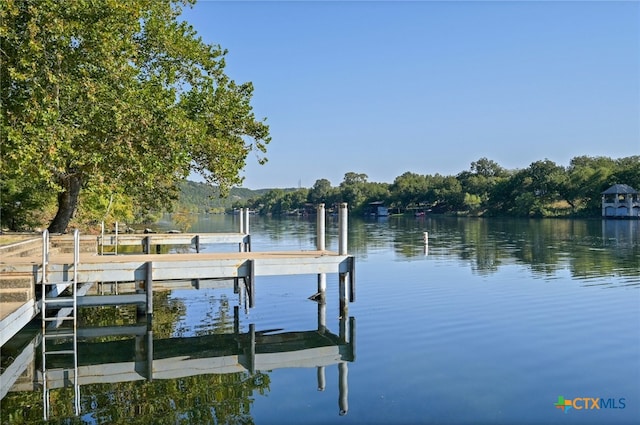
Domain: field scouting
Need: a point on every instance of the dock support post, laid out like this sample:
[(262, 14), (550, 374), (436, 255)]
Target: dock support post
[(342, 290), (246, 221), (321, 246), (146, 245), (252, 348), (241, 229), (320, 228), (352, 279), (143, 349), (342, 225), (250, 284), (342, 250), (322, 317), (197, 244), (352, 337), (343, 388), (321, 378), (149, 352), (149, 289), (322, 287), (236, 320), (425, 238)]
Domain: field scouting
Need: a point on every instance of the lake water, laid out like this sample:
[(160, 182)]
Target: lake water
[(491, 322)]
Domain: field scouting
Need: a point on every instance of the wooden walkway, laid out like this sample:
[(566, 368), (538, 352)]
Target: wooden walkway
[(128, 268)]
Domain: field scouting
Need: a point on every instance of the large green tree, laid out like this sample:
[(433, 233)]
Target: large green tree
[(119, 96), (353, 189)]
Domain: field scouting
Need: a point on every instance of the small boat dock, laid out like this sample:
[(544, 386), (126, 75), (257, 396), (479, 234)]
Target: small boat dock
[(51, 273)]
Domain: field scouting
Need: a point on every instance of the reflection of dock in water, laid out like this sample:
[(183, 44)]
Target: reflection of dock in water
[(141, 357), (145, 358)]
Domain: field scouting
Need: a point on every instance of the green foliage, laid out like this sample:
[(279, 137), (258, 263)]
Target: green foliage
[(280, 202), (119, 95), (320, 192), (22, 203), (203, 198), (472, 202)]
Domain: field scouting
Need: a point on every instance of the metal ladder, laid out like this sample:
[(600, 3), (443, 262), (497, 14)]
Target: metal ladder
[(67, 311)]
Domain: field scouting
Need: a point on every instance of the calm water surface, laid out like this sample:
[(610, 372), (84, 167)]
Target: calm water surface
[(489, 323)]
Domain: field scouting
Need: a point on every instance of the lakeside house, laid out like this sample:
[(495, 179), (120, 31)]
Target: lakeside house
[(377, 209), (620, 201)]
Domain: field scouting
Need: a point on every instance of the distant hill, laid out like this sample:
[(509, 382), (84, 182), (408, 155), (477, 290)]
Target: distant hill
[(201, 197)]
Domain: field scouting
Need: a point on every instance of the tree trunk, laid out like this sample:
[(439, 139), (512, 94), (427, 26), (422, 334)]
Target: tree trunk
[(67, 203)]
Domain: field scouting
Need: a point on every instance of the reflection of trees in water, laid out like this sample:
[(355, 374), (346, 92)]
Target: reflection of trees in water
[(166, 315), (544, 245), (195, 399), (589, 248), (224, 398)]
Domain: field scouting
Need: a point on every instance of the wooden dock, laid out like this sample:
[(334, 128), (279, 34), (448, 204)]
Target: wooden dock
[(146, 268)]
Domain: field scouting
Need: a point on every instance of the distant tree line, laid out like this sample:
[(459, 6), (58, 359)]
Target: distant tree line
[(543, 189)]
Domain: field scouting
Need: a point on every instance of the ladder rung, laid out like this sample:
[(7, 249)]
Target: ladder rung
[(60, 352), (59, 335), (58, 300), (54, 319)]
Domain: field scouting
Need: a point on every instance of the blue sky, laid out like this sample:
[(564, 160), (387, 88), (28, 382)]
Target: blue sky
[(385, 87)]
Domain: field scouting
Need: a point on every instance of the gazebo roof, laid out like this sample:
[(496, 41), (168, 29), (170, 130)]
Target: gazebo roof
[(620, 189)]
